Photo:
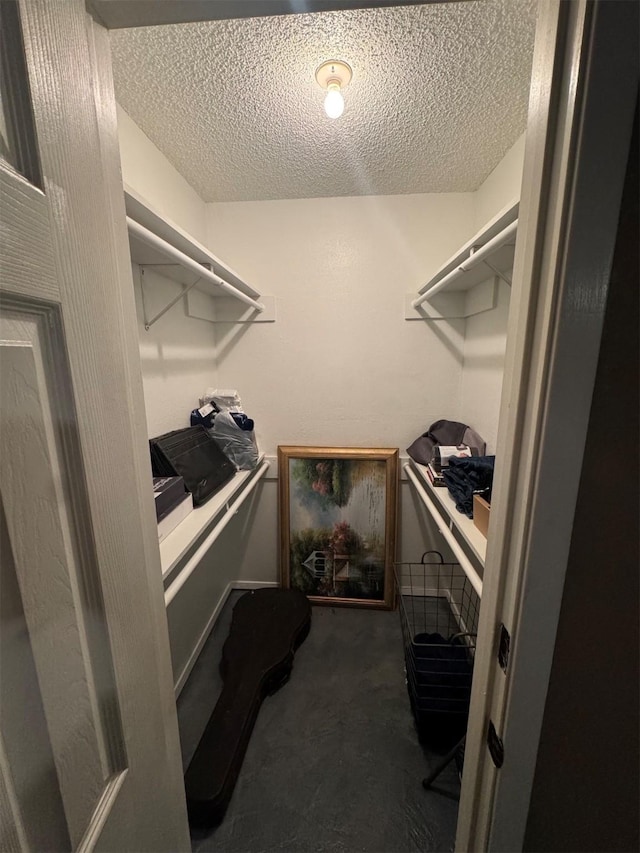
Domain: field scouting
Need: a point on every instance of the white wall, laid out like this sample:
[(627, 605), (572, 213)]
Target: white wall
[(484, 350), (341, 366), (178, 353), (149, 172), (338, 268), (486, 334), (501, 186)]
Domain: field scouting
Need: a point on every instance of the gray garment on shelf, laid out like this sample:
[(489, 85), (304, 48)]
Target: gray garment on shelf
[(444, 432)]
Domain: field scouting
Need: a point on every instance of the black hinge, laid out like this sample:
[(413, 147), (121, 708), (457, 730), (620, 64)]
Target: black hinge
[(503, 648), (496, 747)]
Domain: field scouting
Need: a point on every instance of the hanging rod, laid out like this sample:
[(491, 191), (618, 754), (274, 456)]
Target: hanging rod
[(452, 542), (179, 257), (174, 588), (475, 257)]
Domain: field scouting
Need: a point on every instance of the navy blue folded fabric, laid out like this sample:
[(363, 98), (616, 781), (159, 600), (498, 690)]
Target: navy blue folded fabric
[(196, 419), (441, 673), (242, 421), (466, 476)]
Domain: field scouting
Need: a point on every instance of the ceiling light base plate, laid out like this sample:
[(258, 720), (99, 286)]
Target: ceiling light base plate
[(333, 71)]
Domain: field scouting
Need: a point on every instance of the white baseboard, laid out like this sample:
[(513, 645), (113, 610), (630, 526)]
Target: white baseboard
[(208, 628)]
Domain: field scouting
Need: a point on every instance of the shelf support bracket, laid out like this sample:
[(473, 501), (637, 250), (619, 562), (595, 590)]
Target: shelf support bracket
[(148, 323), (497, 272), (477, 255)]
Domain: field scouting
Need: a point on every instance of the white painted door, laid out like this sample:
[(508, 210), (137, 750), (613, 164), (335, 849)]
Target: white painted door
[(89, 751)]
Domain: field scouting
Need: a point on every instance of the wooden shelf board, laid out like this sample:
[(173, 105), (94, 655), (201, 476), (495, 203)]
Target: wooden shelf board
[(464, 527), (199, 522), (140, 210), (502, 258)]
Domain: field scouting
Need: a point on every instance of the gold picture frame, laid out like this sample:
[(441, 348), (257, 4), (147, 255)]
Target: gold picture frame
[(339, 504)]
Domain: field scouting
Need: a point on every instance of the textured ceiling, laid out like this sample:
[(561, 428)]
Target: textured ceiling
[(439, 93)]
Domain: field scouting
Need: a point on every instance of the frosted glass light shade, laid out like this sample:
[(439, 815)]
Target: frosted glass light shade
[(334, 102)]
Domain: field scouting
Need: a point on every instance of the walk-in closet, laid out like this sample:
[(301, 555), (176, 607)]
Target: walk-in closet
[(337, 231), (372, 257), (359, 239)]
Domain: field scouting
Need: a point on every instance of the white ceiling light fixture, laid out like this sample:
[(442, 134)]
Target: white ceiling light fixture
[(333, 75)]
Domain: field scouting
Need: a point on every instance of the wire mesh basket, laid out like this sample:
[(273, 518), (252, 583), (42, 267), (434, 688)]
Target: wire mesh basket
[(439, 617)]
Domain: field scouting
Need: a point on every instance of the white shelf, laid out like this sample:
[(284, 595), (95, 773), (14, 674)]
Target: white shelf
[(501, 259), (141, 211), (201, 521), (462, 527)]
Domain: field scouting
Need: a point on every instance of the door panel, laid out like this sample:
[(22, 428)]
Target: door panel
[(87, 654), (57, 576), (34, 815), (28, 264)]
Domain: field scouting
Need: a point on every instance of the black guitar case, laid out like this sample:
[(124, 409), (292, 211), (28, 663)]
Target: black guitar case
[(267, 627)]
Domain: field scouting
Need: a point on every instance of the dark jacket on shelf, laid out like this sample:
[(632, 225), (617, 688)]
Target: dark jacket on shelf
[(466, 476)]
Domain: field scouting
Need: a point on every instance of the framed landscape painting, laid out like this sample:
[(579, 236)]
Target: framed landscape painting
[(338, 523)]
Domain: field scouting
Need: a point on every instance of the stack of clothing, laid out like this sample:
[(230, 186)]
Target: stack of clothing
[(469, 476), (222, 416)]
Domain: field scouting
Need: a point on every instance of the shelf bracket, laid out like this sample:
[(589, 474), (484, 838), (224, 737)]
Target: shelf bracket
[(497, 272), (148, 323), (478, 254), (454, 305)]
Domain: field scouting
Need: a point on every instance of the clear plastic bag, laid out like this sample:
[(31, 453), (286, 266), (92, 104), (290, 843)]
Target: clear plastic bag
[(223, 399), (238, 444)]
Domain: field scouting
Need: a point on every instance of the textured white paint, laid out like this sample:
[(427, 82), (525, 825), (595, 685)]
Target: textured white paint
[(501, 187), (149, 172), (486, 334), (439, 93), (177, 355), (341, 366), (484, 349)]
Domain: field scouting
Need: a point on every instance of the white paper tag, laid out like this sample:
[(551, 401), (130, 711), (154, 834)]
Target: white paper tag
[(205, 410), (448, 450)]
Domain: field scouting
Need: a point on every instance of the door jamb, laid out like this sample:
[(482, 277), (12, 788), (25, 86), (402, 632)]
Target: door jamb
[(584, 88)]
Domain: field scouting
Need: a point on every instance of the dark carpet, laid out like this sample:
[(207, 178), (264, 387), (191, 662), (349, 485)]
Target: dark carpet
[(334, 762)]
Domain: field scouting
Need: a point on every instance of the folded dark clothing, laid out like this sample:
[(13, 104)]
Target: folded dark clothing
[(467, 476), (196, 419), (437, 661), (242, 421)]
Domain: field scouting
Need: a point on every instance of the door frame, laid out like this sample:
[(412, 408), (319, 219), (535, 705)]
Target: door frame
[(583, 94)]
